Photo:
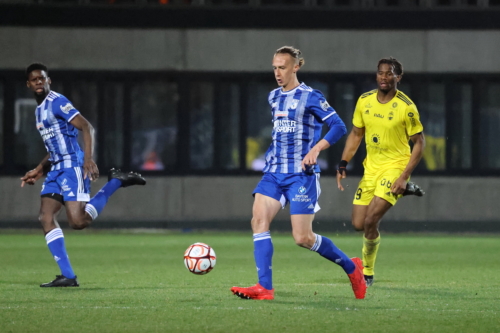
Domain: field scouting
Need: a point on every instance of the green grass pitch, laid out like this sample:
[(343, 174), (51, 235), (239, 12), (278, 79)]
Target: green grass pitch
[(138, 283)]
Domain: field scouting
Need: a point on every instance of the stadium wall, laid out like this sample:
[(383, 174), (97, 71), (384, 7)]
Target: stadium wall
[(450, 204), (240, 50)]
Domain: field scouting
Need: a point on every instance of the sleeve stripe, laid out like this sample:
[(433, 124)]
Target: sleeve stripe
[(404, 99), (368, 93), (73, 116), (331, 114)]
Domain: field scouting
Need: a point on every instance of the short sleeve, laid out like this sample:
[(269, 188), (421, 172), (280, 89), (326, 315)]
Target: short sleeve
[(412, 120), (318, 105), (63, 108), (357, 117)]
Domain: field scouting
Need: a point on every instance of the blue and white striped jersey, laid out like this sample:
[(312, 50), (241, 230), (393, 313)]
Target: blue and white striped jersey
[(298, 116), (53, 118)]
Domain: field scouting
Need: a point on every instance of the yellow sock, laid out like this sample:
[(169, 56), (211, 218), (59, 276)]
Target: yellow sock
[(370, 249)]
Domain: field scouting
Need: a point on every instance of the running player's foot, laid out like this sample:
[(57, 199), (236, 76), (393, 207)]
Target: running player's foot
[(127, 179), (369, 280), (254, 292), (61, 281), (357, 278), (413, 189)]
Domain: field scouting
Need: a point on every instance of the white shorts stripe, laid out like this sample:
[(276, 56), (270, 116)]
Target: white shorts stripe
[(79, 178)]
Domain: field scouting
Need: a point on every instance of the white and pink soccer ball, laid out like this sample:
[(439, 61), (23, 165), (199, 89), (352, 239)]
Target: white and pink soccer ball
[(199, 258)]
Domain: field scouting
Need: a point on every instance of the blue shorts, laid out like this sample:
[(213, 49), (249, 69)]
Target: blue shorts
[(69, 183), (299, 189)]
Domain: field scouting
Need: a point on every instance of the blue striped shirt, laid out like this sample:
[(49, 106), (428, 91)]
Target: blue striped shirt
[(53, 118), (298, 116)]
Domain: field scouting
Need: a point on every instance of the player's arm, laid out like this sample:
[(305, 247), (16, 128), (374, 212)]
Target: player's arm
[(33, 175), (336, 130), (351, 147), (89, 167), (417, 152)]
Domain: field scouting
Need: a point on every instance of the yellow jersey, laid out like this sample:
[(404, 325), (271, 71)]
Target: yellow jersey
[(388, 128)]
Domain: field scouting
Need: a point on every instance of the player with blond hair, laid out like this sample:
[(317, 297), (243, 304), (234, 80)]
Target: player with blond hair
[(291, 174)]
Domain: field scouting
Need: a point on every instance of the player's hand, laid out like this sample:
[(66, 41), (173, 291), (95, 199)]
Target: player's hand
[(90, 170), (310, 159), (341, 173), (32, 176), (399, 186)]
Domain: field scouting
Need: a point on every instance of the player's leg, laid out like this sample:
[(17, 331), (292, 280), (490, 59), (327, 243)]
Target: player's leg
[(358, 216), (80, 210), (382, 201), (51, 205), (303, 196), (266, 205), (305, 237), (116, 179), (264, 210), (371, 239)]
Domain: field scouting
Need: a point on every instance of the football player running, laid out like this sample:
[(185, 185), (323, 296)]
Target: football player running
[(291, 175), (387, 119)]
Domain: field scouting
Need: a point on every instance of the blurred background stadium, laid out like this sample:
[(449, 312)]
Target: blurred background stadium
[(177, 89)]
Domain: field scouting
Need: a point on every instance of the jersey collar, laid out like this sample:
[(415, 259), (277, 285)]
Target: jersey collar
[(302, 84)]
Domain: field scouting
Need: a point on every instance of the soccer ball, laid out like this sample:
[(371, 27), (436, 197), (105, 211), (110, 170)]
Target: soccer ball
[(199, 258)]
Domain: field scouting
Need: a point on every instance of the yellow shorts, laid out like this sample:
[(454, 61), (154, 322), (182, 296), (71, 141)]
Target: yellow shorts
[(377, 185)]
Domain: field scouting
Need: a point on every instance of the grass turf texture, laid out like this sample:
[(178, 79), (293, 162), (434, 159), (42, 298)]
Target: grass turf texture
[(138, 283)]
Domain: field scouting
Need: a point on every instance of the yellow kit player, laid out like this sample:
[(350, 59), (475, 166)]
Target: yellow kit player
[(388, 119)]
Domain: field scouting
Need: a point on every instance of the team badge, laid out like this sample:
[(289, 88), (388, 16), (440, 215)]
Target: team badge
[(67, 108), (410, 114), (394, 105), (294, 104), (324, 105)]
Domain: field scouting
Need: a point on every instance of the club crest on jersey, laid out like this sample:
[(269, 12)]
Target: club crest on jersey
[(324, 105), (294, 104), (67, 108)]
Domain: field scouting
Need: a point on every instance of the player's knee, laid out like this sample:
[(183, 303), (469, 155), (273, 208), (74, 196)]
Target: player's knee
[(260, 224), (45, 219), (358, 226), (79, 224), (304, 241)]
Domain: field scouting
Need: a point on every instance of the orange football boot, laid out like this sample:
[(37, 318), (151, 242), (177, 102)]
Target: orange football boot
[(254, 292), (357, 279)]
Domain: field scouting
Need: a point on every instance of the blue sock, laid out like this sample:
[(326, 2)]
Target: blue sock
[(263, 254), (95, 206), (325, 247), (55, 242)]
